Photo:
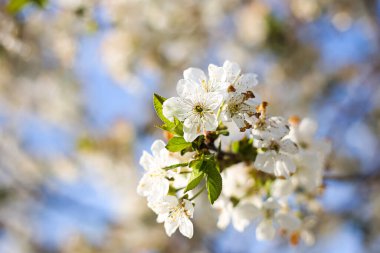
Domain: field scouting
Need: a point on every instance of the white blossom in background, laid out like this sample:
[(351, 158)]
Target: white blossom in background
[(240, 215), (276, 159), (155, 184), (272, 217), (175, 213), (237, 180), (311, 158)]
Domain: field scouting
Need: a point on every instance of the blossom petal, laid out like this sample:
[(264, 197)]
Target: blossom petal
[(186, 88), (171, 226), (288, 221), (189, 207), (192, 128), (284, 166), (224, 218), (265, 230), (243, 214), (246, 82), (307, 129), (212, 100), (210, 121), (176, 107), (265, 162), (216, 81), (146, 161), (288, 146), (157, 146), (282, 188), (232, 71), (186, 227), (195, 75)]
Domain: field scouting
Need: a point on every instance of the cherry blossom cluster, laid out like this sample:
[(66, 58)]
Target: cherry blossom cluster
[(256, 168)]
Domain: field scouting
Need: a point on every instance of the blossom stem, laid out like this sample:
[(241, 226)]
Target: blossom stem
[(175, 166), (198, 193), (219, 111)]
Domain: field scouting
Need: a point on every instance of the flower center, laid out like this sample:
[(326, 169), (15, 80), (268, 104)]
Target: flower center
[(198, 108), (274, 146)]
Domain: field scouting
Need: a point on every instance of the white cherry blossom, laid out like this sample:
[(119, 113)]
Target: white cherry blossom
[(240, 215), (155, 184), (175, 213), (240, 101), (265, 130), (195, 107), (273, 217), (276, 159)]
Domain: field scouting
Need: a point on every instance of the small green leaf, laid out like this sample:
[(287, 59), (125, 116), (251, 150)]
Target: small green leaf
[(158, 101), (213, 180), (15, 6), (177, 144), (178, 127), (175, 127), (195, 178)]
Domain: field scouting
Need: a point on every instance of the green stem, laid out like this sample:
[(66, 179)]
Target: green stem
[(219, 111), (175, 166)]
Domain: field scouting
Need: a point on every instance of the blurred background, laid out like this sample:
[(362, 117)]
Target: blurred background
[(76, 84)]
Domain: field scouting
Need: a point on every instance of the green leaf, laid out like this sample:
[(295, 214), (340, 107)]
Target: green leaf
[(175, 127), (196, 176), (15, 6), (178, 127), (158, 101), (177, 144), (213, 180)]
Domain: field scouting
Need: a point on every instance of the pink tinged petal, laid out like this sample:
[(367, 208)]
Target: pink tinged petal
[(265, 230), (171, 226), (186, 227), (195, 75), (176, 107), (231, 70), (288, 221), (288, 146), (147, 161)]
